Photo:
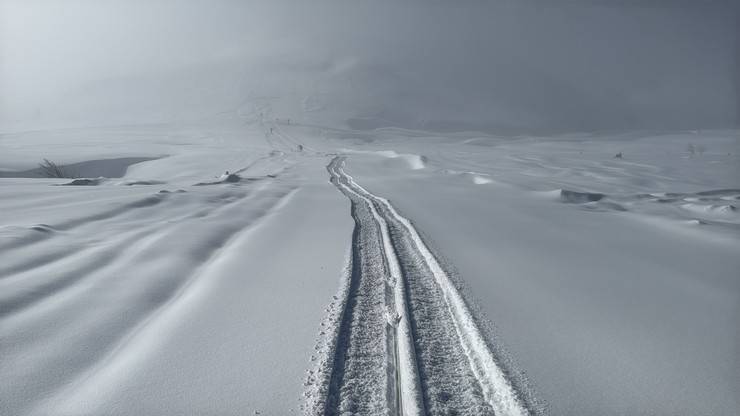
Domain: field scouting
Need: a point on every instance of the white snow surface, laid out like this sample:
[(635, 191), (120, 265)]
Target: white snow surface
[(594, 284)]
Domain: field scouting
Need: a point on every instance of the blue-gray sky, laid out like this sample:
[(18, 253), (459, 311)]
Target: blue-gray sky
[(497, 65)]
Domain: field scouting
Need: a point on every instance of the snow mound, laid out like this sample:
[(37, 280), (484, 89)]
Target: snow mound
[(475, 177), (592, 201), (414, 161), (231, 178), (85, 182), (225, 178), (603, 206), (719, 192), (143, 182), (44, 228), (710, 209), (234, 178), (481, 180), (575, 197)]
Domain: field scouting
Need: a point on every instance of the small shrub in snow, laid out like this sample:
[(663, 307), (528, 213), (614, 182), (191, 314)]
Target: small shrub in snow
[(49, 169)]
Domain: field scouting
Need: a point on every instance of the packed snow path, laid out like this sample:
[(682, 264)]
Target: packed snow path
[(407, 342)]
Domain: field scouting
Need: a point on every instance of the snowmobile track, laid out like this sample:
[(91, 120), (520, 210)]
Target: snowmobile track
[(407, 343)]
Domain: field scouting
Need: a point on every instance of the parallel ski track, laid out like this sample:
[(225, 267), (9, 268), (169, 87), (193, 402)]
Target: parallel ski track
[(407, 343)]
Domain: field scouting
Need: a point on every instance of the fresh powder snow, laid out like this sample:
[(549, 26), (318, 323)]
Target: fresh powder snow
[(369, 208)]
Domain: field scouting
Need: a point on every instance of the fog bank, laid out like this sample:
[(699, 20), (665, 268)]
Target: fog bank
[(474, 65)]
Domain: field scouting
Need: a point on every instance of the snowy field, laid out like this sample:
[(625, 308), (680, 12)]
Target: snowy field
[(368, 271)]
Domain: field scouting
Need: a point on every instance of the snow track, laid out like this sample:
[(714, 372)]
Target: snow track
[(407, 343)]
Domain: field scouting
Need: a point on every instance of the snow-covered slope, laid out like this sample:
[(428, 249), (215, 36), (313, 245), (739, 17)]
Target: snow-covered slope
[(367, 207), (538, 273), (603, 283), (171, 278)]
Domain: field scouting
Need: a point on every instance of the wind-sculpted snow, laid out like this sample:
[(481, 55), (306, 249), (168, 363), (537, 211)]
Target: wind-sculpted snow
[(715, 208), (54, 293), (431, 356), (84, 182), (579, 197), (601, 302), (413, 161), (271, 292)]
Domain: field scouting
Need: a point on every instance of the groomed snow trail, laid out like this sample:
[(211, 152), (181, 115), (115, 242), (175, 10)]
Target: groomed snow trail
[(407, 342)]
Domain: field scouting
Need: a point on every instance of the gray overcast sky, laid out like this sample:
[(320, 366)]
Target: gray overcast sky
[(564, 65)]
